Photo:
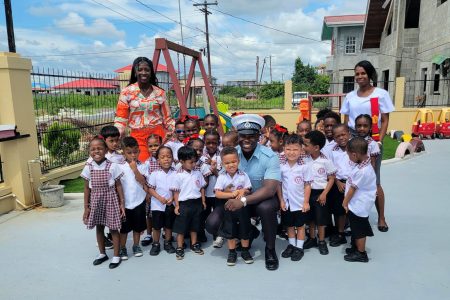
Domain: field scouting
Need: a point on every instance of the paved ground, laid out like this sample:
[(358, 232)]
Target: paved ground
[(48, 253)]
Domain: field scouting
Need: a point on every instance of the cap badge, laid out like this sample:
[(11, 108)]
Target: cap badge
[(247, 125)]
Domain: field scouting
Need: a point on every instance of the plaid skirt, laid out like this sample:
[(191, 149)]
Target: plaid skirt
[(104, 205)]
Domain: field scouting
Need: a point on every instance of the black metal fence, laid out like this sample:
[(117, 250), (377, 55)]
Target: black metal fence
[(427, 93)]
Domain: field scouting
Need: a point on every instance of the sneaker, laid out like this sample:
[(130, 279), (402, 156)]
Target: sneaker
[(288, 251), (123, 253), (168, 247), (197, 249), (357, 256), (232, 258), (350, 250), (179, 253), (246, 256), (218, 242), (156, 248), (338, 240), (310, 243), (297, 254), (147, 241), (323, 249), (108, 243), (137, 251)]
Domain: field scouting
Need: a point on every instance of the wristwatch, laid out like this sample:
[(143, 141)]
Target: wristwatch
[(244, 201)]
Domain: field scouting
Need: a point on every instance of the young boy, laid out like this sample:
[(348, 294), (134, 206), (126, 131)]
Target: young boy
[(230, 139), (135, 192), (234, 183), (329, 120), (340, 159), (303, 128), (177, 142), (188, 189), (323, 172), (360, 193)]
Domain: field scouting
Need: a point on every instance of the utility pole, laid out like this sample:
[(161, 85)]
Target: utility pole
[(270, 64), (262, 70), (257, 69), (10, 26), (182, 40), (204, 10)]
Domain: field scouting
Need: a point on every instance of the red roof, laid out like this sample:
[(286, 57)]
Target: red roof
[(347, 19), (87, 84), (161, 68)]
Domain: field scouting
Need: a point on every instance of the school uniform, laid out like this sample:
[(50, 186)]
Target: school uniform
[(162, 215), (114, 157), (374, 150), (188, 184), (344, 167), (236, 224), (328, 147), (203, 168), (363, 179), (175, 146), (103, 200), (293, 182), (321, 169), (134, 194)]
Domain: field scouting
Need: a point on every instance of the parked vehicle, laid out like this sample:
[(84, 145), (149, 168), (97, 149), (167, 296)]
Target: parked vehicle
[(443, 123), (424, 125), (297, 97)]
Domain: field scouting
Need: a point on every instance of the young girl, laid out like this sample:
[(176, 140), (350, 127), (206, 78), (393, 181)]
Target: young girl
[(230, 139), (191, 126), (296, 189), (210, 122), (276, 139), (177, 142), (103, 199), (162, 208), (303, 128), (363, 125)]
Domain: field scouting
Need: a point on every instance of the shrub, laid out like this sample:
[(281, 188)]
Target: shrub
[(61, 140)]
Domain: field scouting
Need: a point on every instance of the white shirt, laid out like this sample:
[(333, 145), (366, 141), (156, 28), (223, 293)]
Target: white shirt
[(321, 168), (342, 162), (373, 147), (159, 181), (200, 166), (133, 191), (354, 105), (363, 179), (239, 181), (209, 191), (114, 172), (293, 181), (188, 184), (113, 157), (326, 150), (175, 146)]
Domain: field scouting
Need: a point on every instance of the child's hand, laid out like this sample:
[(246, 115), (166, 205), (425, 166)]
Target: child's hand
[(228, 188), (208, 161), (122, 211), (213, 166), (133, 165), (177, 210), (86, 214), (322, 199), (306, 207), (283, 205), (234, 194), (341, 186), (345, 206), (169, 201)]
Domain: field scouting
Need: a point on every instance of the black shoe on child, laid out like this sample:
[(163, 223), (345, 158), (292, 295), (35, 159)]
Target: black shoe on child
[(310, 243), (246, 256), (357, 256), (338, 240), (350, 250), (232, 258), (288, 251), (297, 254), (114, 265), (323, 249), (99, 261), (156, 248), (108, 242), (168, 247), (271, 259), (179, 252), (197, 248), (147, 241)]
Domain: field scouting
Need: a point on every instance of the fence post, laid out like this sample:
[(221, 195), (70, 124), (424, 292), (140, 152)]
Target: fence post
[(399, 96), (288, 95), (20, 164)]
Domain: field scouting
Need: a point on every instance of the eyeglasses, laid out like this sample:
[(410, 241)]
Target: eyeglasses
[(180, 131), (209, 124)]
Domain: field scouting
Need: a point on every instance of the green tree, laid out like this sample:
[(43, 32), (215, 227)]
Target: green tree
[(306, 79)]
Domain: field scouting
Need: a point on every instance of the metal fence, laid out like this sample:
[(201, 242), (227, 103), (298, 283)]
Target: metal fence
[(424, 93)]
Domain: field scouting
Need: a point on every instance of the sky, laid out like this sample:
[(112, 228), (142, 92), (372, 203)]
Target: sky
[(100, 36)]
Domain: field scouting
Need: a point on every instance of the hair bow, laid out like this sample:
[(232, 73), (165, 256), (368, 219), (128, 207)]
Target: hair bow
[(100, 136), (280, 128), (194, 136), (184, 118)]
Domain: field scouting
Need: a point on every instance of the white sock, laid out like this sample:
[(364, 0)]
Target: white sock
[(300, 243), (115, 260), (101, 255), (292, 241)]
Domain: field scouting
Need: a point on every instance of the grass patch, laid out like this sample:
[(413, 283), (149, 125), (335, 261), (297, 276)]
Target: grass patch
[(390, 146), (73, 185)]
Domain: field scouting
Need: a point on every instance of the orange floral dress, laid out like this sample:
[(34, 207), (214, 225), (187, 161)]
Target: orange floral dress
[(143, 115)]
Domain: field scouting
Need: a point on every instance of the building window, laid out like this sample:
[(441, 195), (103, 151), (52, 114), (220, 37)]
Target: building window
[(386, 80), (350, 45), (349, 84), (424, 80), (412, 13), (439, 2)]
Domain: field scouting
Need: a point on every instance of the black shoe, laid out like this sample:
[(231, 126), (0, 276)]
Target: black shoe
[(108, 242), (350, 250), (99, 261), (114, 265), (288, 251), (156, 248), (179, 252), (323, 249), (147, 241), (338, 240), (232, 258), (297, 254), (357, 256), (271, 259), (168, 247), (246, 256), (201, 237), (383, 228), (310, 243), (197, 248)]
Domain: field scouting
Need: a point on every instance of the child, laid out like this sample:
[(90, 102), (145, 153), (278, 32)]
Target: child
[(135, 192), (265, 131), (162, 208), (230, 139), (329, 120), (211, 157), (103, 199), (276, 139), (303, 128), (210, 122), (340, 159), (363, 125), (234, 184), (296, 180), (177, 143), (188, 187), (323, 172), (360, 191), (191, 126)]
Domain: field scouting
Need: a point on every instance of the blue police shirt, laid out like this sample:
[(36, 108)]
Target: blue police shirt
[(264, 164)]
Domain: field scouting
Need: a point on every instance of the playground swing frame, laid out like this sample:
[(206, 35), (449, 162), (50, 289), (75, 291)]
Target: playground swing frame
[(164, 46)]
